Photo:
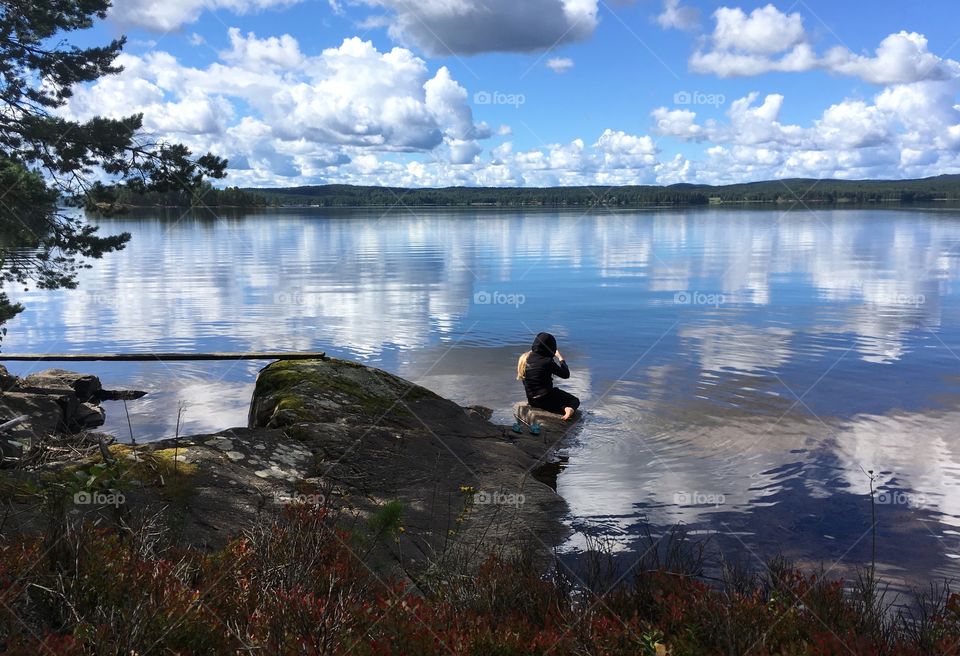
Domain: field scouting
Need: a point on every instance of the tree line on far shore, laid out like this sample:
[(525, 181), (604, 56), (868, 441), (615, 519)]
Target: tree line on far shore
[(795, 191)]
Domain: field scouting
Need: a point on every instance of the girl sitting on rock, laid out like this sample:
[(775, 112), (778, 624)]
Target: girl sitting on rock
[(536, 368)]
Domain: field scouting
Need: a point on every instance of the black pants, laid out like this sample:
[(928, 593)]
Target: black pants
[(555, 401)]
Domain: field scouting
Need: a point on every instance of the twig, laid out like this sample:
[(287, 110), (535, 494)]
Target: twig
[(176, 436), (873, 525), (133, 440)]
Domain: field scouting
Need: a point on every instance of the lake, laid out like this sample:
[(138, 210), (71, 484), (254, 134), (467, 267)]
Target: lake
[(741, 370)]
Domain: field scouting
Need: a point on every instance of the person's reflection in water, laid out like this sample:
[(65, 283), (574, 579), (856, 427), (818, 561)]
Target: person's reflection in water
[(536, 368)]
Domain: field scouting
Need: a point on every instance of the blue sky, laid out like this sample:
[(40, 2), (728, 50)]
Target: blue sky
[(542, 92)]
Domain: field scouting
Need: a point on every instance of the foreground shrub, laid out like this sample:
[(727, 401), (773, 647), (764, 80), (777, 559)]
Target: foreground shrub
[(297, 586)]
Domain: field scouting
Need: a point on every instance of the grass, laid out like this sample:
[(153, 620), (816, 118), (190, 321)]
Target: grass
[(129, 468), (296, 585)]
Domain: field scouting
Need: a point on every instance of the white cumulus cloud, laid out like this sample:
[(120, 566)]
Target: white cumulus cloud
[(901, 57), (678, 123), (620, 150), (274, 52), (560, 64), (766, 30), (751, 44), (907, 130), (357, 114), (768, 40), (677, 16), (308, 112), (173, 14)]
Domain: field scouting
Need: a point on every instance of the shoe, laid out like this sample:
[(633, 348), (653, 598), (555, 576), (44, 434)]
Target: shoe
[(517, 428), (535, 428)]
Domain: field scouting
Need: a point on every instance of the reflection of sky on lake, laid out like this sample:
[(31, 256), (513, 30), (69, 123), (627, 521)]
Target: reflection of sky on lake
[(765, 357)]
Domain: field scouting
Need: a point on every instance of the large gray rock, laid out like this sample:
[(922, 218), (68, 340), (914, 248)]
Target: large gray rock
[(377, 438), (339, 391), (56, 401), (84, 387)]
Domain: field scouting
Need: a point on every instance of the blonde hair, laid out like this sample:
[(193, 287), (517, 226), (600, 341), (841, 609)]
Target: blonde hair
[(522, 365)]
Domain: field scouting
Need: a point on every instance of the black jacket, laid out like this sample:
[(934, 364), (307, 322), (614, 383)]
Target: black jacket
[(541, 367)]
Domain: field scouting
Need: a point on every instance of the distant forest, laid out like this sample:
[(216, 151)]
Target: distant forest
[(945, 187), (205, 196), (940, 188)]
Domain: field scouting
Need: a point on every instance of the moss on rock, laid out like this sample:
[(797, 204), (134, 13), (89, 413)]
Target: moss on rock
[(319, 390)]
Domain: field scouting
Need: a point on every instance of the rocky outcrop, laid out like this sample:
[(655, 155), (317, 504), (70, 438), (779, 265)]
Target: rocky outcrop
[(54, 402), (342, 392), (83, 387), (328, 432), (377, 438)]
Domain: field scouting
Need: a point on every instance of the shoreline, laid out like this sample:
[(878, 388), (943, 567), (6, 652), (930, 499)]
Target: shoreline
[(841, 204)]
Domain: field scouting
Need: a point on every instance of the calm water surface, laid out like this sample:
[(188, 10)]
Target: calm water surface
[(741, 370)]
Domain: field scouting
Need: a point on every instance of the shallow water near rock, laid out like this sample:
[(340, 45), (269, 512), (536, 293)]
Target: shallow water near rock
[(741, 370)]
